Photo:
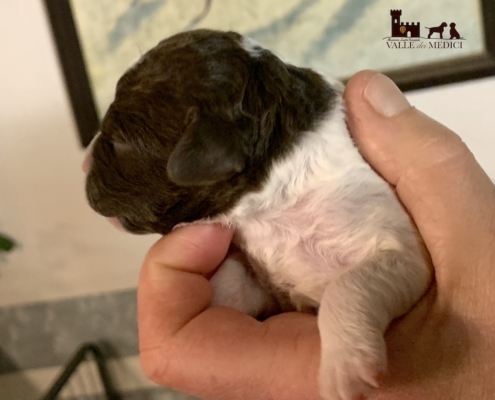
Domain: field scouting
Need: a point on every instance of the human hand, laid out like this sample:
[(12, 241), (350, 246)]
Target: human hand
[(443, 349), (217, 353)]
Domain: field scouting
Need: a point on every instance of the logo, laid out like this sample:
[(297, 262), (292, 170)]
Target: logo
[(407, 35)]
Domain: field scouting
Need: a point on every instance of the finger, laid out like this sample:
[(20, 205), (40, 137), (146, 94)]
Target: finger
[(436, 177), (190, 347), (173, 288)]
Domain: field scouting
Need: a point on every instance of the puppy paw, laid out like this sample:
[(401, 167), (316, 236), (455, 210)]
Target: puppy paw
[(234, 287), (351, 372)]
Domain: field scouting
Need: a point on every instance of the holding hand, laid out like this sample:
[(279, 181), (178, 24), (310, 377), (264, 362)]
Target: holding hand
[(443, 349)]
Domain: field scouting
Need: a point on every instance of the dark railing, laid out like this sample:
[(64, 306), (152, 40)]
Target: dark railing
[(80, 356)]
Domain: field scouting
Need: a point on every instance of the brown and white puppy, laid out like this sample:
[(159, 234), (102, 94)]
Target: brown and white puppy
[(210, 127)]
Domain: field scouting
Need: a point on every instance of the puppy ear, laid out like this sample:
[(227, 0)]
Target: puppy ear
[(211, 150)]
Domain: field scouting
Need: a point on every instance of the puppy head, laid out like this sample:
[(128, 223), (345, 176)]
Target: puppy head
[(196, 124), (444, 24), (452, 25)]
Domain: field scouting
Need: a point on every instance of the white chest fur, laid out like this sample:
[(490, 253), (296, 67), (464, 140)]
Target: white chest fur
[(331, 234), (322, 211)]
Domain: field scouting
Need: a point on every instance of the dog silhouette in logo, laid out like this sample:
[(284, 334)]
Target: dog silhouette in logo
[(453, 32), (437, 29)]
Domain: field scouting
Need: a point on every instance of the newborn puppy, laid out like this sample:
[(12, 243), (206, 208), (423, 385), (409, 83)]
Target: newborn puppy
[(210, 127)]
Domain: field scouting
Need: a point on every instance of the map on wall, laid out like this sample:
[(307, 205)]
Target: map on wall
[(339, 37)]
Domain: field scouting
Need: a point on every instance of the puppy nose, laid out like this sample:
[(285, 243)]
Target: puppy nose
[(87, 163), (116, 223), (88, 159)]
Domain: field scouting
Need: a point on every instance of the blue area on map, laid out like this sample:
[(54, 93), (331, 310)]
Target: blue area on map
[(131, 20), (279, 25), (341, 22), (196, 20)]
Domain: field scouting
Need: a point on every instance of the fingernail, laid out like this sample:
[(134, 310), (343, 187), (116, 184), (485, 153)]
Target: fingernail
[(385, 97)]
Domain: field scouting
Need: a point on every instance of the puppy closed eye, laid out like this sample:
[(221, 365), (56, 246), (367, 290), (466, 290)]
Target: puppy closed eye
[(126, 157), (122, 147)]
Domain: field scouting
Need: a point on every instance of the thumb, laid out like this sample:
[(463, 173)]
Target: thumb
[(436, 177), (172, 285)]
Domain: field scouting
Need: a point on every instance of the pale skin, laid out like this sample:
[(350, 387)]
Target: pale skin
[(443, 349)]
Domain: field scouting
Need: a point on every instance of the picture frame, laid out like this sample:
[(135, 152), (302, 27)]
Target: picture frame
[(82, 96)]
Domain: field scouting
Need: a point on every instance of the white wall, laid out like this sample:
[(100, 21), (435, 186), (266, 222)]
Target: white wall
[(66, 250), (469, 109)]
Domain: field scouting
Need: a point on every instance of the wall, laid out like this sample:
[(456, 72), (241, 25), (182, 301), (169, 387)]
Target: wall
[(66, 250)]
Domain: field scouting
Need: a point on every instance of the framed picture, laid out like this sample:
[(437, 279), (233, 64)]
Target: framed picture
[(418, 44)]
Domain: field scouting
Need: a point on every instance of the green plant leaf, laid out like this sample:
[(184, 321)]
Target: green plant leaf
[(6, 244)]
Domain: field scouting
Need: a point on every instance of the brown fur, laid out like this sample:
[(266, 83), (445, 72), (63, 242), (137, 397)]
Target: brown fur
[(194, 126)]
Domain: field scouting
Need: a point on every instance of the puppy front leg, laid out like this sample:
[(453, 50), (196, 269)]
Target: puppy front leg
[(234, 286), (355, 311)]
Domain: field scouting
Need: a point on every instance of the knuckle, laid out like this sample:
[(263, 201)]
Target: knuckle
[(442, 148), (156, 368)]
